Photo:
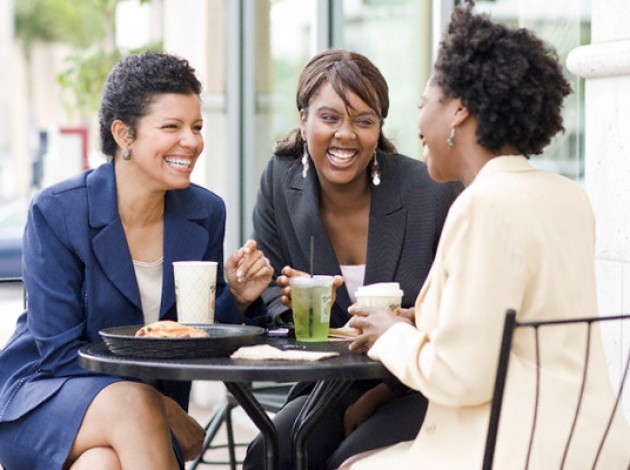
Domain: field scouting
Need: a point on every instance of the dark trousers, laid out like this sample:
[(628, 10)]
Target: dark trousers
[(327, 447)]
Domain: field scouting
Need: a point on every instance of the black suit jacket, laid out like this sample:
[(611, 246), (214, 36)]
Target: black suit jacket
[(407, 212)]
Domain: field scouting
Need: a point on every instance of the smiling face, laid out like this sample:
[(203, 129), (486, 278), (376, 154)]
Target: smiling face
[(168, 142), (436, 118), (341, 140)]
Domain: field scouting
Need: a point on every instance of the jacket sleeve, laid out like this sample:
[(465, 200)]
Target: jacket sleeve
[(54, 278), (451, 356)]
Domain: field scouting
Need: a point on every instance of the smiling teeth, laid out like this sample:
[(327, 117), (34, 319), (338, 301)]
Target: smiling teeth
[(177, 162), (342, 154)]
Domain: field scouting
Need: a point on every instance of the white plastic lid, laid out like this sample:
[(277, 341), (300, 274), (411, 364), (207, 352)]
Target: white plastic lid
[(389, 289)]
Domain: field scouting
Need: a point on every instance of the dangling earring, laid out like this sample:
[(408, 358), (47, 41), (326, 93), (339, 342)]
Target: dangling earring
[(126, 153), (304, 161), (376, 175), (451, 138)]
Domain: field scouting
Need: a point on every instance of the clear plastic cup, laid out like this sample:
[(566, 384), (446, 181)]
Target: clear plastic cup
[(311, 301)]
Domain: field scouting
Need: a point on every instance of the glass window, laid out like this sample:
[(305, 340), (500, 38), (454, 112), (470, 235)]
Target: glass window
[(565, 24), (396, 36), (280, 36), (282, 41)]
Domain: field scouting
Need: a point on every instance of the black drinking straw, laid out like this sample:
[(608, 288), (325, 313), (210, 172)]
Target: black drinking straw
[(312, 243), (310, 304)]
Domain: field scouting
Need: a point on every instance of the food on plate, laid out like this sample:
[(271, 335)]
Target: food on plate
[(170, 329)]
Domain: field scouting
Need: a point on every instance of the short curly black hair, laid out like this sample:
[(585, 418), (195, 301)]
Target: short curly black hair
[(132, 85), (509, 79)]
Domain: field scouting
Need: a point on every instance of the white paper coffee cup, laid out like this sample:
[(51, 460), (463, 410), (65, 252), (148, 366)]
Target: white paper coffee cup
[(382, 294), (195, 290)]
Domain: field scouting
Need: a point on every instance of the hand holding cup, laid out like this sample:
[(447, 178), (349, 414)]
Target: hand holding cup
[(377, 308), (282, 282), (371, 323)]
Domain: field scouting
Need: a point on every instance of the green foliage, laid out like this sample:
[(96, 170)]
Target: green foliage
[(83, 79), (88, 26), (78, 24)]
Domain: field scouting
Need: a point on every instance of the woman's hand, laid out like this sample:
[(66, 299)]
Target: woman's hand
[(371, 322), (249, 273), (285, 289), (188, 432), (409, 314)]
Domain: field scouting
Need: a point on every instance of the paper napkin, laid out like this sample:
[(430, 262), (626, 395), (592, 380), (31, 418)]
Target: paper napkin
[(265, 351)]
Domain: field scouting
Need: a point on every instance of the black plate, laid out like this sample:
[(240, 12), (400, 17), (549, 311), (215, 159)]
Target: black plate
[(223, 340)]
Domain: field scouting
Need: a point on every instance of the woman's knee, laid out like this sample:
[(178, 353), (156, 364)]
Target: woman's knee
[(129, 405), (132, 401), (103, 458)]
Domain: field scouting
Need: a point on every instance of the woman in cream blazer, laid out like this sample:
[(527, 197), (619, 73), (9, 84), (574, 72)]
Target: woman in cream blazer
[(516, 237)]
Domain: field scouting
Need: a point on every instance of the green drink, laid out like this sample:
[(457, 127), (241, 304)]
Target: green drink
[(310, 300)]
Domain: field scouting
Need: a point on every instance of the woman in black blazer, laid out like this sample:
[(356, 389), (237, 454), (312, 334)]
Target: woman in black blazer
[(374, 215)]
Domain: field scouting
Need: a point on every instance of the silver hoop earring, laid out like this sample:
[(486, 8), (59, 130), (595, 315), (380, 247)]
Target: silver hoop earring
[(304, 161), (376, 175), (451, 138), (126, 153)]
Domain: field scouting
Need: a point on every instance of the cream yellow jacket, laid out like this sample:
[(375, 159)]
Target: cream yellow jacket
[(519, 238)]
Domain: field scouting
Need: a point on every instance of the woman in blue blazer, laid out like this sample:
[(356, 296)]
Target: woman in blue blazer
[(98, 253), (374, 215)]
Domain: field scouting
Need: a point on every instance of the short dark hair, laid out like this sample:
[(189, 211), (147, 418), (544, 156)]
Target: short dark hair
[(345, 71), (132, 85), (509, 79)]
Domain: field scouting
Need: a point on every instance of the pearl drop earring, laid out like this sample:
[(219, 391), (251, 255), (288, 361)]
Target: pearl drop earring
[(451, 138), (376, 174), (305, 161)]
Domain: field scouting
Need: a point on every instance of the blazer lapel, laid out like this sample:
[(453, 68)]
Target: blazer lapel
[(104, 219), (304, 205), (183, 239), (388, 222), (387, 225)]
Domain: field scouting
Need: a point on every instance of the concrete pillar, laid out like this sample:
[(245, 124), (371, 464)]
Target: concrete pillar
[(15, 165), (605, 66)]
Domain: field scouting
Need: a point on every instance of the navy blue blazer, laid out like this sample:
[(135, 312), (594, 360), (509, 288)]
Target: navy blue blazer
[(407, 211), (79, 276)]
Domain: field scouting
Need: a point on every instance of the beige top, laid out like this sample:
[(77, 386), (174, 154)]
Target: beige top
[(517, 238), (149, 277)]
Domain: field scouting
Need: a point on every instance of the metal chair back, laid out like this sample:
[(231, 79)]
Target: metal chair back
[(510, 325)]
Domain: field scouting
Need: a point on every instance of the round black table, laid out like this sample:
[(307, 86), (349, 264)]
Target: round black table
[(333, 376)]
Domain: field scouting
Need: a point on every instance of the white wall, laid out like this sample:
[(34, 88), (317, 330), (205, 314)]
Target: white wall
[(605, 64)]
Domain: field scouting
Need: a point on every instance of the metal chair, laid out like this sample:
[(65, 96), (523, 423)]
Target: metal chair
[(271, 397), (511, 324)]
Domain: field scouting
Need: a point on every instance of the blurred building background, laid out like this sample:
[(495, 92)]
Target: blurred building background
[(248, 54)]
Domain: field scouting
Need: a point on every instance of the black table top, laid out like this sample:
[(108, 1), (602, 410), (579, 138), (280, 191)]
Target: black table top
[(346, 366)]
